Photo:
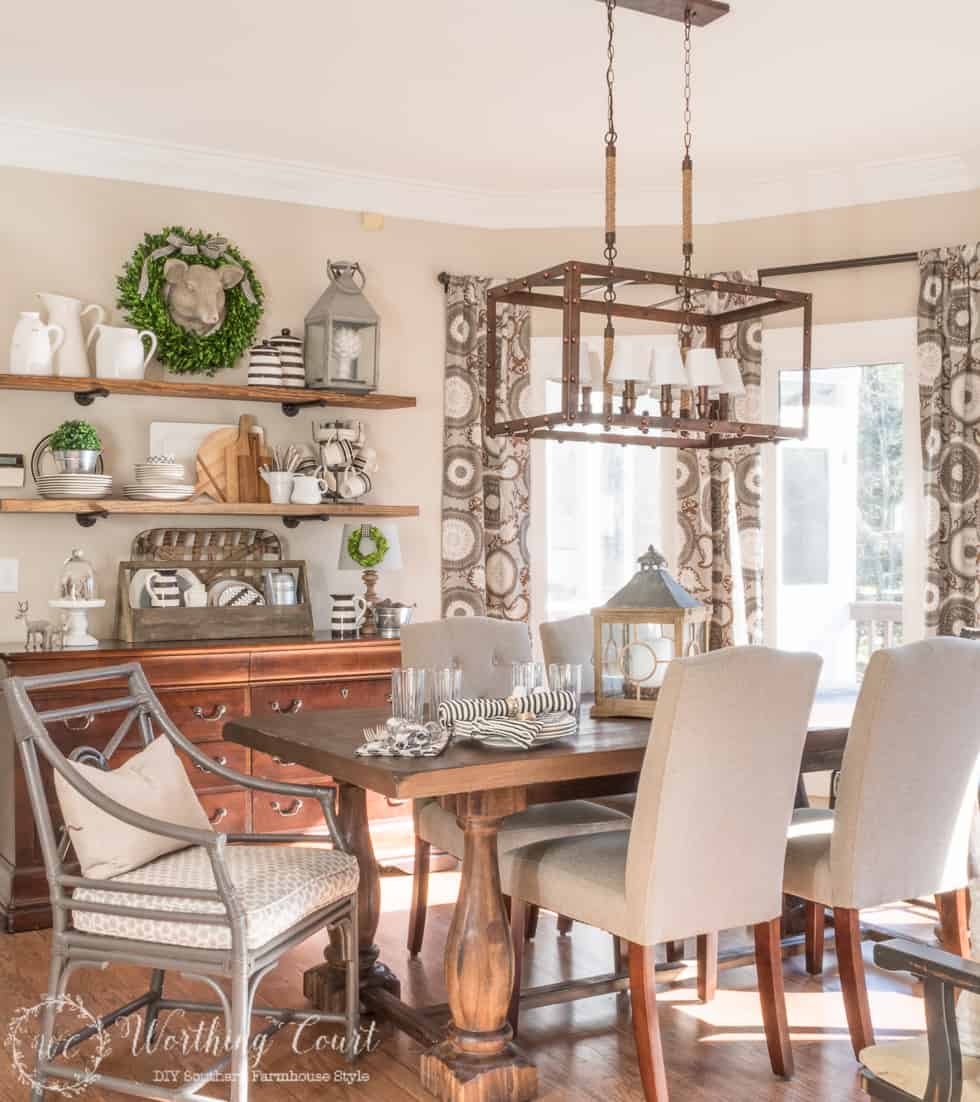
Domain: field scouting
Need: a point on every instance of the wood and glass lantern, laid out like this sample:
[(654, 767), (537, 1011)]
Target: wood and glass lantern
[(638, 632)]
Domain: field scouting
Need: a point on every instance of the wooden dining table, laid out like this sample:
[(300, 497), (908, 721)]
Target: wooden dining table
[(470, 1054)]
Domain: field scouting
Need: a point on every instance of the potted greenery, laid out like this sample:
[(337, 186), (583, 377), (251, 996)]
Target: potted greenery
[(76, 447)]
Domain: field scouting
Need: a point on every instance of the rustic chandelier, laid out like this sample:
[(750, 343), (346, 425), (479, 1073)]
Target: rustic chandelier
[(672, 389)]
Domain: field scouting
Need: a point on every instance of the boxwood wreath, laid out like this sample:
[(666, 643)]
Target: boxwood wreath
[(141, 296), (367, 560)]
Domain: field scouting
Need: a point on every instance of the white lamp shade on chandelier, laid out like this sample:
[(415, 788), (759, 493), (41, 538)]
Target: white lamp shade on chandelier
[(393, 556), (731, 378), (666, 362), (627, 366), (702, 367)]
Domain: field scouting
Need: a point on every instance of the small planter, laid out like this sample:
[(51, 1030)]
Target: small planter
[(77, 462)]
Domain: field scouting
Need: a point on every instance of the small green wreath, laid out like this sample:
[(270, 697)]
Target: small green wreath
[(142, 286), (370, 560)]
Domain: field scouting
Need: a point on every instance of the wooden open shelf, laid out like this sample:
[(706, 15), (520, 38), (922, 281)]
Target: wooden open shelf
[(87, 511), (291, 399)]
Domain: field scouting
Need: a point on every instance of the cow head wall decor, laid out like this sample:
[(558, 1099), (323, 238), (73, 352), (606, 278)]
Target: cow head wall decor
[(195, 294)]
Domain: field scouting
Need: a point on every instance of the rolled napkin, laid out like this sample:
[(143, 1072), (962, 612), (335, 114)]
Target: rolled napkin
[(398, 739), (524, 733), (539, 702)]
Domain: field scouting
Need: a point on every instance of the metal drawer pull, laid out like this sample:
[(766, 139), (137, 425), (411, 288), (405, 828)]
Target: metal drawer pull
[(218, 712), (281, 761), (220, 814), (217, 761), (294, 808), (290, 710), (388, 698), (344, 693), (82, 726), (395, 803)]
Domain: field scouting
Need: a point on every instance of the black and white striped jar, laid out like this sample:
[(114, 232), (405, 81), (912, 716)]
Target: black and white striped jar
[(290, 351), (264, 368)]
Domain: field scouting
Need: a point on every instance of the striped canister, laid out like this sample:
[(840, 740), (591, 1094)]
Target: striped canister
[(290, 351), (264, 368)]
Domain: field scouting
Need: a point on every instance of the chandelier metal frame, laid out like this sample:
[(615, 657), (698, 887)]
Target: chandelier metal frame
[(705, 417)]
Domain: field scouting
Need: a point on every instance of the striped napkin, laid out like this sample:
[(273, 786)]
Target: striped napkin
[(522, 734), (540, 702)]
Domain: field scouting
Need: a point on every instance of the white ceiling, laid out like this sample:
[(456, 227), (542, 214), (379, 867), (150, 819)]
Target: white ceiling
[(491, 112)]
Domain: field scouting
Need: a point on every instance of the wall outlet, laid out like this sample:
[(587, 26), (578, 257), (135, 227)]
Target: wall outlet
[(8, 575)]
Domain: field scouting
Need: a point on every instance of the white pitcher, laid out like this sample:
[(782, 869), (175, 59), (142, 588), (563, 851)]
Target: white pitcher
[(33, 345), (120, 353), (70, 360)]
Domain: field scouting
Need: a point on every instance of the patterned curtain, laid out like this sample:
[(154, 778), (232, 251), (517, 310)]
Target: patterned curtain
[(486, 480), (949, 400), (706, 481)]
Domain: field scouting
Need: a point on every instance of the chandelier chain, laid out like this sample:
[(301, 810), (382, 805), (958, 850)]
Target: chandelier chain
[(611, 251), (686, 329)]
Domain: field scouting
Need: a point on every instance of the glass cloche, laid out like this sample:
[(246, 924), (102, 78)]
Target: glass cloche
[(77, 578)]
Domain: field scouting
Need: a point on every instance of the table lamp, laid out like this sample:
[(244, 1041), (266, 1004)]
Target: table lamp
[(370, 548)]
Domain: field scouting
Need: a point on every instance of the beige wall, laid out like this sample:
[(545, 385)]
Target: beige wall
[(71, 235)]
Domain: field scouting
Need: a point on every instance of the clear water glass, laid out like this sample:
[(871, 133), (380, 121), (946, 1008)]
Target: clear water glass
[(446, 683), (567, 676), (526, 677), (408, 694)]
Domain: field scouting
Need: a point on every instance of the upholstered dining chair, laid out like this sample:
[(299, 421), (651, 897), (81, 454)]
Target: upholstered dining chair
[(483, 649), (213, 907), (707, 841), (906, 802)]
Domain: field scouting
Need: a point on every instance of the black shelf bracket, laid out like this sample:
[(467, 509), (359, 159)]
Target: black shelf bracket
[(87, 520), (291, 409), (295, 522), (87, 397)]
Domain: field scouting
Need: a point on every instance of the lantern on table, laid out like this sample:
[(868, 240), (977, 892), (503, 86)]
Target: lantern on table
[(342, 332), (650, 621)]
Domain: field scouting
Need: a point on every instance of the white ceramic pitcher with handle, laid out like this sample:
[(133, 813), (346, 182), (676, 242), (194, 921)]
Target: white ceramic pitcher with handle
[(70, 361), (119, 353), (33, 345)]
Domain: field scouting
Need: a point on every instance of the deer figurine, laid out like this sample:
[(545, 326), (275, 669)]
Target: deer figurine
[(38, 631)]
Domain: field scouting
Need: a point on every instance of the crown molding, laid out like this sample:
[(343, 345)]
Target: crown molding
[(93, 153)]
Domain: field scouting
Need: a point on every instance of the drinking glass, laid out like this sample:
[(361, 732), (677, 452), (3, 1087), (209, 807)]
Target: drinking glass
[(526, 677), (408, 694), (446, 683), (567, 676)]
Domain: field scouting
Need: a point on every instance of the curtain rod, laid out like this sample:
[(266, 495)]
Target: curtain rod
[(802, 269)]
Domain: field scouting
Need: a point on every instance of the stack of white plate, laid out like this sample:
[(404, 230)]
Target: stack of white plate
[(74, 485), (159, 481)]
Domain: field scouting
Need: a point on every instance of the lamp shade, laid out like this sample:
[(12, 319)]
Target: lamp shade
[(626, 367), (393, 556), (666, 363), (731, 377), (589, 366), (702, 367)]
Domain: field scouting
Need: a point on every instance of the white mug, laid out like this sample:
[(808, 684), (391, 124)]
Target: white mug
[(307, 490), (164, 589), (353, 483), (280, 485), (337, 453), (196, 596)]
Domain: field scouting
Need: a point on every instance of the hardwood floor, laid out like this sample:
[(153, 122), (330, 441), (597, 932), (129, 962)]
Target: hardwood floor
[(583, 1050)]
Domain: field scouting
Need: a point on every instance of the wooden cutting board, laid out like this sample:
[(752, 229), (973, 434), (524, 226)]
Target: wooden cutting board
[(236, 470), (212, 474)]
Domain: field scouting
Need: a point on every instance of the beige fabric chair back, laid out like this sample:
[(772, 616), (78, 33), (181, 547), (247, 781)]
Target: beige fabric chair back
[(716, 791), (570, 641), (908, 789), (483, 649)]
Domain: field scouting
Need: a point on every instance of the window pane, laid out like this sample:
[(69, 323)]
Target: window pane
[(841, 494)]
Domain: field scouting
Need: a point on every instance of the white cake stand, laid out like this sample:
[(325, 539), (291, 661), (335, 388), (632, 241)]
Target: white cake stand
[(77, 627)]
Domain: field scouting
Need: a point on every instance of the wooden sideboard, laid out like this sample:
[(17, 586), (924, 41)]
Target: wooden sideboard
[(202, 686)]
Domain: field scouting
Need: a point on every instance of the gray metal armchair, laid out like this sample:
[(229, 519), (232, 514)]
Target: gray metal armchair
[(193, 911), (930, 1068)]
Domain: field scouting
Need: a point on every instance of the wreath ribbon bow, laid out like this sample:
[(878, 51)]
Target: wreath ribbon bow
[(213, 249)]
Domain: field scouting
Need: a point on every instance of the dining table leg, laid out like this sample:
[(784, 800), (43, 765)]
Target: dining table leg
[(478, 1061), (324, 985)]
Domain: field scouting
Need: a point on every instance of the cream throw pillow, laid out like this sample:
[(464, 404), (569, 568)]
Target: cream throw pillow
[(153, 782)]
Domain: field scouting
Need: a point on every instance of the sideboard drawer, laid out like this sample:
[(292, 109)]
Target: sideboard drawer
[(276, 814), (355, 658), (91, 730), (274, 768), (224, 753), (201, 714), (228, 812), (292, 697)]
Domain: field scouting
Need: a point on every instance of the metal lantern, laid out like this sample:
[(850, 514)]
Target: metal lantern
[(650, 621), (342, 334)]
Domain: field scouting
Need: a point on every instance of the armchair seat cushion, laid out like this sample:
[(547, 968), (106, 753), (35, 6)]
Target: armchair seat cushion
[(905, 1064), (278, 886), (807, 870), (439, 828)]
